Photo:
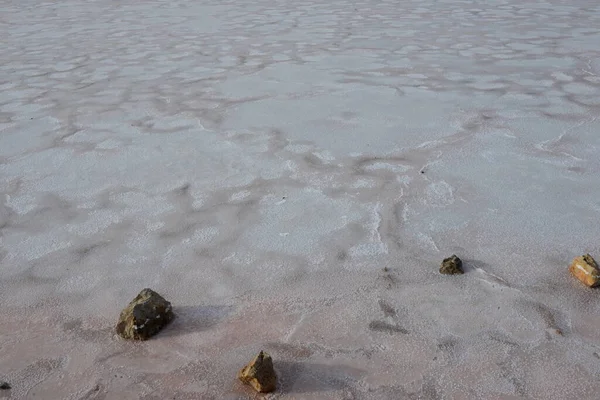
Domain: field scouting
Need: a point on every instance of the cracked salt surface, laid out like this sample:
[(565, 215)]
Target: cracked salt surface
[(289, 175)]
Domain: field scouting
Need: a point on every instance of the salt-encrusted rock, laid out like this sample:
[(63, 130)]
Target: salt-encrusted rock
[(451, 266), (145, 316), (586, 270), (260, 373)]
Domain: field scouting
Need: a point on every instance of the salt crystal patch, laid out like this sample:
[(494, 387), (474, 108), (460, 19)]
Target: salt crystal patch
[(368, 250), (205, 235), (398, 168), (239, 195), (439, 194), (109, 144)]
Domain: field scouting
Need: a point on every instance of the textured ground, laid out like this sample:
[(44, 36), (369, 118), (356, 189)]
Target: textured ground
[(290, 174)]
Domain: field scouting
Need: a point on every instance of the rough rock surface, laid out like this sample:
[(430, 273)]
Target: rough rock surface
[(145, 316), (451, 266), (260, 374), (586, 270)]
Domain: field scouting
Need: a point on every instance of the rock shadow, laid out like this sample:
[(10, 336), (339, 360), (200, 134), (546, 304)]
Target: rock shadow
[(191, 319), (307, 377), (470, 265)]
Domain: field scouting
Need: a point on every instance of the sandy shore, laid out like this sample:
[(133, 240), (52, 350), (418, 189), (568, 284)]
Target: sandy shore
[(290, 175)]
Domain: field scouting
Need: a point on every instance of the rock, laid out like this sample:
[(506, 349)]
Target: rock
[(586, 270), (5, 386), (260, 373), (145, 316), (451, 266)]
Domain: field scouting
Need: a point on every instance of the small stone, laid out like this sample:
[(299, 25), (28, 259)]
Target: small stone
[(451, 266), (145, 316), (586, 270), (5, 386), (260, 373)]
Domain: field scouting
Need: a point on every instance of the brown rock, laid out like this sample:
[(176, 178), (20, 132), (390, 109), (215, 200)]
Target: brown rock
[(260, 373), (145, 316), (451, 266), (586, 270)]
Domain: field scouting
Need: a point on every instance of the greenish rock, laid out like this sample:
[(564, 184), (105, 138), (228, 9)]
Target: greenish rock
[(145, 316), (451, 266)]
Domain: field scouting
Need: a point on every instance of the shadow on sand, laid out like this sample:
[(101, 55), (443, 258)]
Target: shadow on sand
[(190, 319), (307, 377)]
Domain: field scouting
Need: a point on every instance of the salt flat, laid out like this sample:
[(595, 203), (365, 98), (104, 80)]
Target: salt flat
[(290, 175)]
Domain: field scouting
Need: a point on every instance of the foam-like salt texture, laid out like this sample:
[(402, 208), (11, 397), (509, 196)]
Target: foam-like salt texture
[(290, 176)]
